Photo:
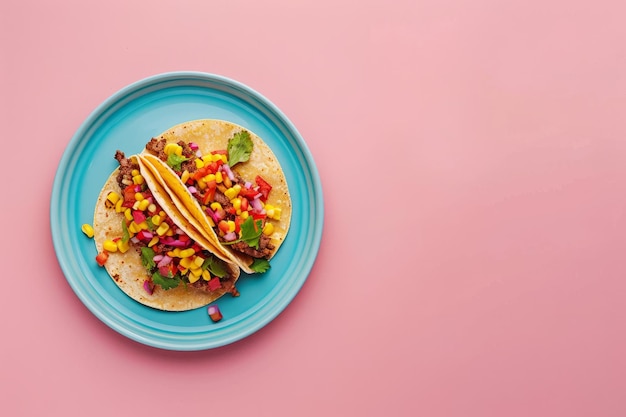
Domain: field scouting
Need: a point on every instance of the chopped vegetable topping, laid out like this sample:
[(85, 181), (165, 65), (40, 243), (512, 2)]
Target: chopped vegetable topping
[(87, 230), (239, 148), (214, 313)]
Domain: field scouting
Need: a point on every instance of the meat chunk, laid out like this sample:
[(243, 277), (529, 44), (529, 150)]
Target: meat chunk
[(156, 147), (125, 176)]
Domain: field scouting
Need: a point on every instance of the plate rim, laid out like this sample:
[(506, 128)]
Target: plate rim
[(91, 121)]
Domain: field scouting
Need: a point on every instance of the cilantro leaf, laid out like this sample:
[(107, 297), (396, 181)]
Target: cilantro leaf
[(239, 148), (150, 224), (146, 257), (260, 265), (174, 161), (165, 282), (125, 234), (215, 267), (251, 232)]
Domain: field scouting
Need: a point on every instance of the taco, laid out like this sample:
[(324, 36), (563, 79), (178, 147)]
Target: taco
[(151, 251), (230, 182)]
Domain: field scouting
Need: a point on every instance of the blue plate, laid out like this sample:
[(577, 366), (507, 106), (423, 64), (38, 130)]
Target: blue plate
[(126, 121)]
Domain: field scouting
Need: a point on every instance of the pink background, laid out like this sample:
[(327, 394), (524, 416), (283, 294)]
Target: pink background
[(473, 159)]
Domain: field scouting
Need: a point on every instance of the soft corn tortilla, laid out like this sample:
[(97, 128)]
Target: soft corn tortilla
[(127, 270), (210, 135)]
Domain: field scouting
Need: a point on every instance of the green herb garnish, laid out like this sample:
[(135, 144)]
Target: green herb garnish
[(260, 265), (125, 233), (215, 267), (239, 148), (165, 282), (147, 255), (174, 161)]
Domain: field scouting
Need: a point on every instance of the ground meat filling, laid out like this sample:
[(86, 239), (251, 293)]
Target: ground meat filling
[(125, 177)]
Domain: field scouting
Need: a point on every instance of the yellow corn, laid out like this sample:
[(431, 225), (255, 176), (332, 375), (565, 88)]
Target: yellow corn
[(218, 177), (244, 215), (232, 192), (162, 229), (162, 213), (277, 212), (186, 253), (134, 172), (216, 157), (143, 205), (170, 232), (273, 212), (152, 208), (215, 206), (122, 246), (173, 148), (136, 205), (133, 228), (118, 206), (87, 230), (112, 199), (109, 246), (236, 202), (197, 272), (226, 181), (183, 271), (201, 183), (153, 241), (138, 179), (268, 229), (209, 177), (207, 159), (185, 263), (231, 226), (198, 261), (199, 163), (128, 213), (143, 226), (156, 220), (206, 275), (139, 196), (193, 277)]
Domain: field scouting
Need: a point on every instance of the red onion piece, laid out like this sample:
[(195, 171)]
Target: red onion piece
[(157, 258), (165, 261), (192, 189), (256, 204), (193, 146), (229, 172), (148, 287), (247, 184), (134, 239), (230, 236)]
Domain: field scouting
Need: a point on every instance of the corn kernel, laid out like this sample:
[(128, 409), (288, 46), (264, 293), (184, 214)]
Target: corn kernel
[(232, 192), (143, 205), (143, 225), (136, 205), (133, 228), (236, 202), (183, 270), (153, 241), (118, 206), (139, 196), (162, 213), (231, 226), (186, 253), (206, 275), (134, 172), (226, 181), (128, 213), (185, 175), (109, 246), (216, 206), (207, 159), (218, 177), (224, 159), (198, 261), (216, 157), (268, 229), (112, 199), (244, 215), (122, 246), (87, 230), (197, 272), (193, 278), (156, 220), (201, 184), (199, 163), (185, 263), (152, 208), (170, 148), (170, 232), (162, 229), (277, 212), (138, 179), (209, 177)]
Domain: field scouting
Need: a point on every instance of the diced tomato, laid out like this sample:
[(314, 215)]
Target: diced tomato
[(238, 221), (200, 172), (231, 210), (214, 283), (220, 151), (264, 187), (129, 196), (102, 257), (223, 226), (184, 238), (244, 204), (196, 247), (248, 193), (257, 216)]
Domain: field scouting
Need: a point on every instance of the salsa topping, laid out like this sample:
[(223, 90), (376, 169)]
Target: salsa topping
[(170, 256), (237, 208)]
